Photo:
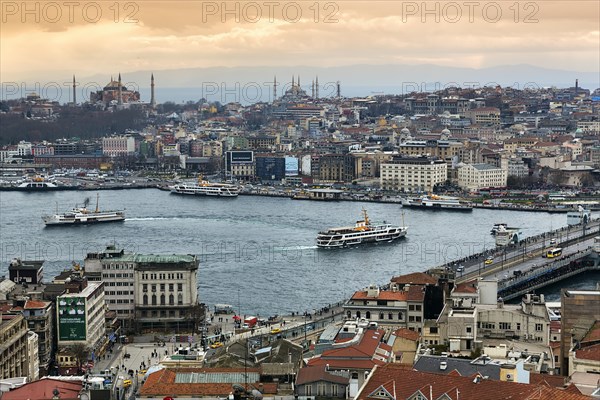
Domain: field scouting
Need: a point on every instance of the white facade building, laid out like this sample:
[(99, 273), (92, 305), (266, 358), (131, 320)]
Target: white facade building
[(478, 176), (115, 146), (413, 174)]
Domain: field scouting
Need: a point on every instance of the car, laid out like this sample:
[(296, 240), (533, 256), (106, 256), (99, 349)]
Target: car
[(552, 242), (275, 331), (216, 345), (143, 371), (127, 383), (126, 355), (460, 268), (488, 261)]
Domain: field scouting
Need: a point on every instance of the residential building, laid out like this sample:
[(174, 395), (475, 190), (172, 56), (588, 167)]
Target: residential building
[(579, 310), (318, 381), (339, 167), (358, 349), (115, 146), (39, 317), (413, 174), (30, 272), (405, 343), (145, 289), (473, 177), (13, 346), (399, 382), (485, 116), (165, 291), (80, 316), (33, 361)]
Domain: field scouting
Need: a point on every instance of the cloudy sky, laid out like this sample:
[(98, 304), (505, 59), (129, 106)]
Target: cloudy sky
[(53, 40)]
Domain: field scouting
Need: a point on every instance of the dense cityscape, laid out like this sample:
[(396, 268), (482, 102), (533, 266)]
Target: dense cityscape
[(338, 200), (488, 146)]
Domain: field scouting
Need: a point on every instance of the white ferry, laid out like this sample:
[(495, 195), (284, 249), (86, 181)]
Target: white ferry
[(81, 216), (362, 232), (506, 236), (581, 216), (205, 188), (433, 202), (38, 183)]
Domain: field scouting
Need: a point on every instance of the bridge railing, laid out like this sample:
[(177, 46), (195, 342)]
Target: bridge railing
[(542, 269)]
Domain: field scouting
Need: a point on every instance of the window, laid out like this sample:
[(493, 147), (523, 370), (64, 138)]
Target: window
[(145, 299), (334, 390), (162, 287), (390, 316), (411, 307), (518, 326), (154, 288), (171, 299), (400, 315), (171, 286), (153, 299), (179, 299), (368, 315), (504, 326), (162, 299), (308, 389), (433, 329), (469, 329), (539, 327), (380, 315), (180, 287)]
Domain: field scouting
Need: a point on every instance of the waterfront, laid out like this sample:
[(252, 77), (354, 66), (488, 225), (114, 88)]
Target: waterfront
[(257, 253)]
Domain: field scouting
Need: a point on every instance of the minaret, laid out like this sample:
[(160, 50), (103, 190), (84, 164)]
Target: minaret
[(298, 82), (317, 87), (152, 98), (292, 81), (74, 92), (339, 90), (274, 88), (120, 99), (312, 92)]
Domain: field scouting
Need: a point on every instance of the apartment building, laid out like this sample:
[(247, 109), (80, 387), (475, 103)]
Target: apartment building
[(479, 176), (412, 174), (13, 346)]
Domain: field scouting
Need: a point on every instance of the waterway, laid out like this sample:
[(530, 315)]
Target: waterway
[(256, 253)]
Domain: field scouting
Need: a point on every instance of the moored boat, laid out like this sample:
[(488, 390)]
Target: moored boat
[(433, 202), (206, 188), (82, 216), (363, 232)]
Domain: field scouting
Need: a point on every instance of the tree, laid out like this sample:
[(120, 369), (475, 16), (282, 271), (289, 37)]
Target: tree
[(81, 352)]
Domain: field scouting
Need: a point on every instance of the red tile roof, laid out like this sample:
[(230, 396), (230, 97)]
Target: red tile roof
[(466, 287), (407, 334), (589, 353), (36, 304), (403, 383), (416, 278), (43, 390), (416, 293), (361, 355), (593, 334), (318, 373), (551, 380), (162, 383), (383, 295)]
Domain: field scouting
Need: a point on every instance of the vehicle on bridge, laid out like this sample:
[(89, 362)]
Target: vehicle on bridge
[(555, 252)]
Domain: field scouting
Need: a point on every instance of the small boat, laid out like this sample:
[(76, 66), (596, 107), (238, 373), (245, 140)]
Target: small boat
[(206, 188), (363, 232), (81, 216)]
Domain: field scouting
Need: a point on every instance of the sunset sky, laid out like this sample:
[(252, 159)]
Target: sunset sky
[(91, 38)]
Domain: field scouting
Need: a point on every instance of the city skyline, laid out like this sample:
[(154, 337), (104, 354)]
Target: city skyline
[(85, 39)]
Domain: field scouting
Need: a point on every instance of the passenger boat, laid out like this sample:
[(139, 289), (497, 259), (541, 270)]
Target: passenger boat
[(81, 216), (581, 216), (206, 188), (433, 202), (497, 227), (506, 236), (363, 232)]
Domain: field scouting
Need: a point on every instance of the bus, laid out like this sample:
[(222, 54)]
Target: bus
[(555, 252)]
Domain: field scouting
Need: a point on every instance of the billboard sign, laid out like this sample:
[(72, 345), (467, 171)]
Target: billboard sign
[(71, 318)]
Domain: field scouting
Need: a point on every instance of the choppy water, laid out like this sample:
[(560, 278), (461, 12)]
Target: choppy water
[(258, 252)]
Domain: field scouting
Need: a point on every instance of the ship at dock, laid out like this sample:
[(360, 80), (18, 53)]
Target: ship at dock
[(206, 188), (433, 202), (83, 216), (362, 232)]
